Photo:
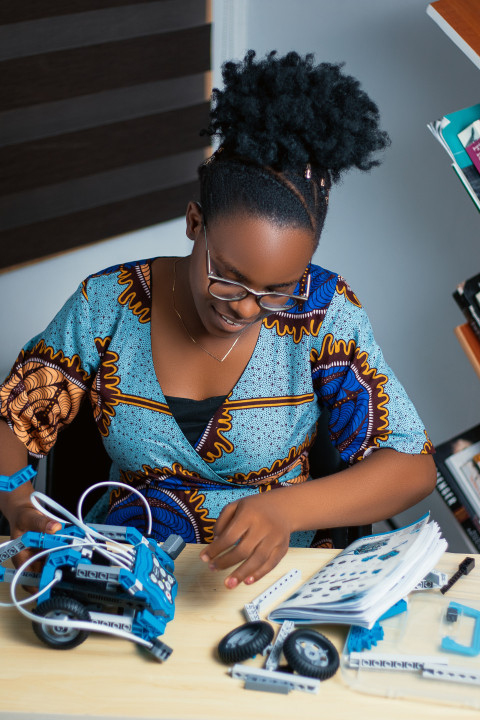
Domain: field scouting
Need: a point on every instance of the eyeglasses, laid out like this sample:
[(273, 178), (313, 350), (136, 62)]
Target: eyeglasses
[(231, 290)]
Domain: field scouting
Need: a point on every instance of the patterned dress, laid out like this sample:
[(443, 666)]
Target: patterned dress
[(322, 354)]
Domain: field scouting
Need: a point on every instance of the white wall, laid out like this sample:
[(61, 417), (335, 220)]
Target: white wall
[(403, 236), (30, 296), (407, 233)]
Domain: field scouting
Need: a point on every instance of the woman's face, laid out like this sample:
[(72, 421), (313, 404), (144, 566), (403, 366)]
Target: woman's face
[(246, 249)]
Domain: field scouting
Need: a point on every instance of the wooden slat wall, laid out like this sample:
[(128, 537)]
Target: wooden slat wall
[(100, 111)]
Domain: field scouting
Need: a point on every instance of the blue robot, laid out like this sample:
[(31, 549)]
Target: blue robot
[(100, 578)]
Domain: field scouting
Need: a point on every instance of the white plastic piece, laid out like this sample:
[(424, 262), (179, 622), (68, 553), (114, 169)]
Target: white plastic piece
[(389, 661), (434, 579), (277, 589), (10, 548), (276, 681), (111, 620), (452, 673), (273, 658), (251, 612)]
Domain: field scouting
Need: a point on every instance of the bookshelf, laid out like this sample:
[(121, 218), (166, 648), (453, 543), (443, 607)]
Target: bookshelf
[(460, 21)]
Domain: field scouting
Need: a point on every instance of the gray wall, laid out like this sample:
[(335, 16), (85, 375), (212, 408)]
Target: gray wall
[(407, 233)]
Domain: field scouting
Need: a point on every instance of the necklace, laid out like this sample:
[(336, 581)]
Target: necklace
[(215, 357)]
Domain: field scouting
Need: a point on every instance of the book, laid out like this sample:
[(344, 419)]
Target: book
[(470, 139), (367, 578), (451, 483), (467, 297), (447, 130), (458, 460), (459, 512), (470, 345)]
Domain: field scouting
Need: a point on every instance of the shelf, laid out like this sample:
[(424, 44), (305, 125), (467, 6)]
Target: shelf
[(460, 20), (470, 345)]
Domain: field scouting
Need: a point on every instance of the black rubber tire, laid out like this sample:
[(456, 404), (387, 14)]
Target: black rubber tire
[(66, 608), (311, 654), (245, 641)]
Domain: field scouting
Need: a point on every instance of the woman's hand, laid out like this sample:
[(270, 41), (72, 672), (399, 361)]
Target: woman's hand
[(254, 532), (23, 517)]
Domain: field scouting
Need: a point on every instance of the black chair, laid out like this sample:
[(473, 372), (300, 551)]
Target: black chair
[(325, 460), (79, 460)]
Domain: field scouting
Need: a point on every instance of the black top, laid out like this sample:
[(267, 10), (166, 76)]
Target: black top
[(192, 416)]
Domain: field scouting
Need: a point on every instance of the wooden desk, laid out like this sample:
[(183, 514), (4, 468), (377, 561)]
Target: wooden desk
[(106, 677)]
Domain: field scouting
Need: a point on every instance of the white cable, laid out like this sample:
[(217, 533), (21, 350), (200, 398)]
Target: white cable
[(122, 485), (124, 559), (30, 598), (90, 533), (16, 579)]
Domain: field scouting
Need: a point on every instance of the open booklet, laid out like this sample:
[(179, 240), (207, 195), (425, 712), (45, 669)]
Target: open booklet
[(367, 578)]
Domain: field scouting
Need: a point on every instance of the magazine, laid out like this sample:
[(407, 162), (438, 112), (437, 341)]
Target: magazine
[(363, 581), (449, 131)]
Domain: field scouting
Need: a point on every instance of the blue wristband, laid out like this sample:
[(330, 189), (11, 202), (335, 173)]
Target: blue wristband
[(12, 482)]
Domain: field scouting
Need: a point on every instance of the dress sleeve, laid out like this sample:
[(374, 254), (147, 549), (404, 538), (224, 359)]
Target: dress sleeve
[(369, 408), (50, 377)]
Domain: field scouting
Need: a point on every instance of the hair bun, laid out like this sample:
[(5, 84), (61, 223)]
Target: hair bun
[(285, 112)]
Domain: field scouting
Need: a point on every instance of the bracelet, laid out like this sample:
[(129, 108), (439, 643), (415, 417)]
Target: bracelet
[(12, 482)]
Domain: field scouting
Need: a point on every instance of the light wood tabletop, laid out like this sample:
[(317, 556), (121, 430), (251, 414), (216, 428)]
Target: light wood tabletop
[(108, 677)]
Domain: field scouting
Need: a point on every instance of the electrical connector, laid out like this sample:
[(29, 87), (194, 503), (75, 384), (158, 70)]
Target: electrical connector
[(463, 569)]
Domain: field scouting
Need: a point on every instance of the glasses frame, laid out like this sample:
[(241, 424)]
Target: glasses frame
[(258, 295)]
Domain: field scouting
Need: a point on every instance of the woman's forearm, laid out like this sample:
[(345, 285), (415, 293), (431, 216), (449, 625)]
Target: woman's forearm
[(16, 505), (374, 489), (13, 457)]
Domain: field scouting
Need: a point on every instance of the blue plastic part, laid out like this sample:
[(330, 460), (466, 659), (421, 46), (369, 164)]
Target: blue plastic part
[(399, 607), (359, 638), (12, 482), (451, 645)]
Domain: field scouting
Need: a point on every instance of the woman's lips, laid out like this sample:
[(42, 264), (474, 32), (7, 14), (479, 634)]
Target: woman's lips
[(229, 323)]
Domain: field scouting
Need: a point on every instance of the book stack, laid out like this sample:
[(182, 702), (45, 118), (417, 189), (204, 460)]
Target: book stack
[(459, 134), (458, 481), (467, 297), (367, 578)]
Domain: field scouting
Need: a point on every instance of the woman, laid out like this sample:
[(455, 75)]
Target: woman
[(208, 374)]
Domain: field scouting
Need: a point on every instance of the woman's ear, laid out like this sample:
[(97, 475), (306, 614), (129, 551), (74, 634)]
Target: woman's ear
[(194, 219)]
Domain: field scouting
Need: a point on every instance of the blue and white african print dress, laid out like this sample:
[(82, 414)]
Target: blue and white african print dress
[(320, 355)]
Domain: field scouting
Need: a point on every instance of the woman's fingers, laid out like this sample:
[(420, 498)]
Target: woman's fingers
[(261, 562)]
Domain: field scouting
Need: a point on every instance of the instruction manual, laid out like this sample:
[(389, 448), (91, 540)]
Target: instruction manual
[(367, 578)]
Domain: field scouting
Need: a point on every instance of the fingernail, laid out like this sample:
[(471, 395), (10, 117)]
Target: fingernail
[(231, 582), (212, 566), (51, 525), (249, 580), (204, 558)]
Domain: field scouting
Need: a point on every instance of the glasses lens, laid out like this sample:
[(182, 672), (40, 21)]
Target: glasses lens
[(277, 302), (232, 292), (227, 291)]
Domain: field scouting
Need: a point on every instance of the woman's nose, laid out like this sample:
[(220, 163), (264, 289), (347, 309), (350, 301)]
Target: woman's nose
[(247, 308)]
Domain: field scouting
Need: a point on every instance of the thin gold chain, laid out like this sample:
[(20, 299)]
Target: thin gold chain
[(215, 357)]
